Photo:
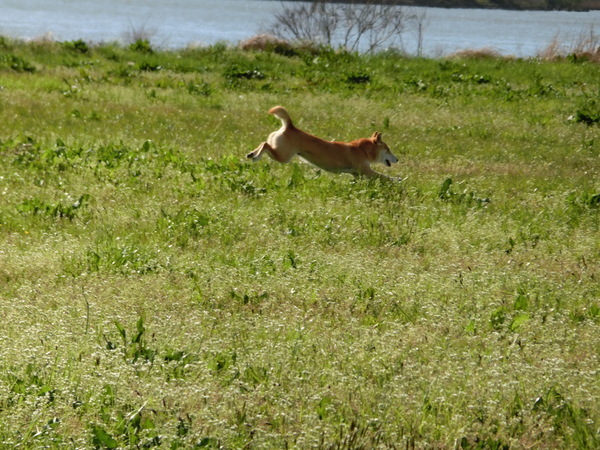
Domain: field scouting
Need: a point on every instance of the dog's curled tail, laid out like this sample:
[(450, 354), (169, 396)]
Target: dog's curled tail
[(281, 113)]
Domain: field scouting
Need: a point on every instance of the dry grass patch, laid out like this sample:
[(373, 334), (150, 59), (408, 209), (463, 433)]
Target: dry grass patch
[(479, 53)]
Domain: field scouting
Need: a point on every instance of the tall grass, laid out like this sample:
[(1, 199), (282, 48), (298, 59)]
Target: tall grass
[(157, 290), (585, 46)]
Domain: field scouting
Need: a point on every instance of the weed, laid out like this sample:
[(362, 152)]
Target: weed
[(588, 113), (244, 76), (15, 63), (323, 408), (358, 78), (202, 88), (148, 66), (113, 257), (446, 193), (135, 348)]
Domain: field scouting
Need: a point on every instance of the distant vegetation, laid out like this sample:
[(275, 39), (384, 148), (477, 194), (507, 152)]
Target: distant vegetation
[(548, 5), (157, 290), (371, 27)]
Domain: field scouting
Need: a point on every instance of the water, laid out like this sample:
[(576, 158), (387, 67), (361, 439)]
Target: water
[(178, 23)]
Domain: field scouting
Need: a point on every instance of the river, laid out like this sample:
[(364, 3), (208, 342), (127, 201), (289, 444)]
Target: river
[(178, 23)]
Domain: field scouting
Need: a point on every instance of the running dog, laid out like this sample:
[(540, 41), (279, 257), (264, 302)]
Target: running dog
[(353, 157)]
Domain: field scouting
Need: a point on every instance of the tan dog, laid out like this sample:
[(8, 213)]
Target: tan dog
[(353, 157)]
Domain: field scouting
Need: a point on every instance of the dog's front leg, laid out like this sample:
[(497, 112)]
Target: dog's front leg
[(370, 173), (366, 171)]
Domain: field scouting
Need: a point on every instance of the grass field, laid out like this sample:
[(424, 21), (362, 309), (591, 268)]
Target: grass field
[(158, 290)]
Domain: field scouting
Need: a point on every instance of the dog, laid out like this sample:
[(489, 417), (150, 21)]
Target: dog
[(353, 157)]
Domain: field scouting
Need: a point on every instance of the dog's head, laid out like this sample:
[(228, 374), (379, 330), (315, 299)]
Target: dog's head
[(384, 155)]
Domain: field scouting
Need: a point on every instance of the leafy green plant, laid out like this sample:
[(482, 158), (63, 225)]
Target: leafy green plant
[(566, 416), (583, 200), (324, 406), (30, 381), (243, 76), (255, 375), (101, 438), (16, 63), (59, 210), (251, 299), (588, 111), (135, 347), (135, 428), (178, 363), (518, 321), (113, 257), (222, 361), (497, 318)]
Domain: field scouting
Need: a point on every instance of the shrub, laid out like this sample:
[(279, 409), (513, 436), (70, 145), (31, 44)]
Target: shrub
[(141, 46), (369, 26), (78, 46), (268, 43)]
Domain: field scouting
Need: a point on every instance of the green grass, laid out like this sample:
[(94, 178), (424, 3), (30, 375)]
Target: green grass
[(159, 290)]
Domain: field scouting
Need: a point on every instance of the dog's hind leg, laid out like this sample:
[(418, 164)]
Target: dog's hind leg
[(273, 153), (256, 154)]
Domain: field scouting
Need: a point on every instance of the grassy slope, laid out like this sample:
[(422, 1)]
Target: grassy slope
[(157, 289)]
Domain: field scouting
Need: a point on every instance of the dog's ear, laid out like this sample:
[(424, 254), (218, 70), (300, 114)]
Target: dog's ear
[(376, 136)]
